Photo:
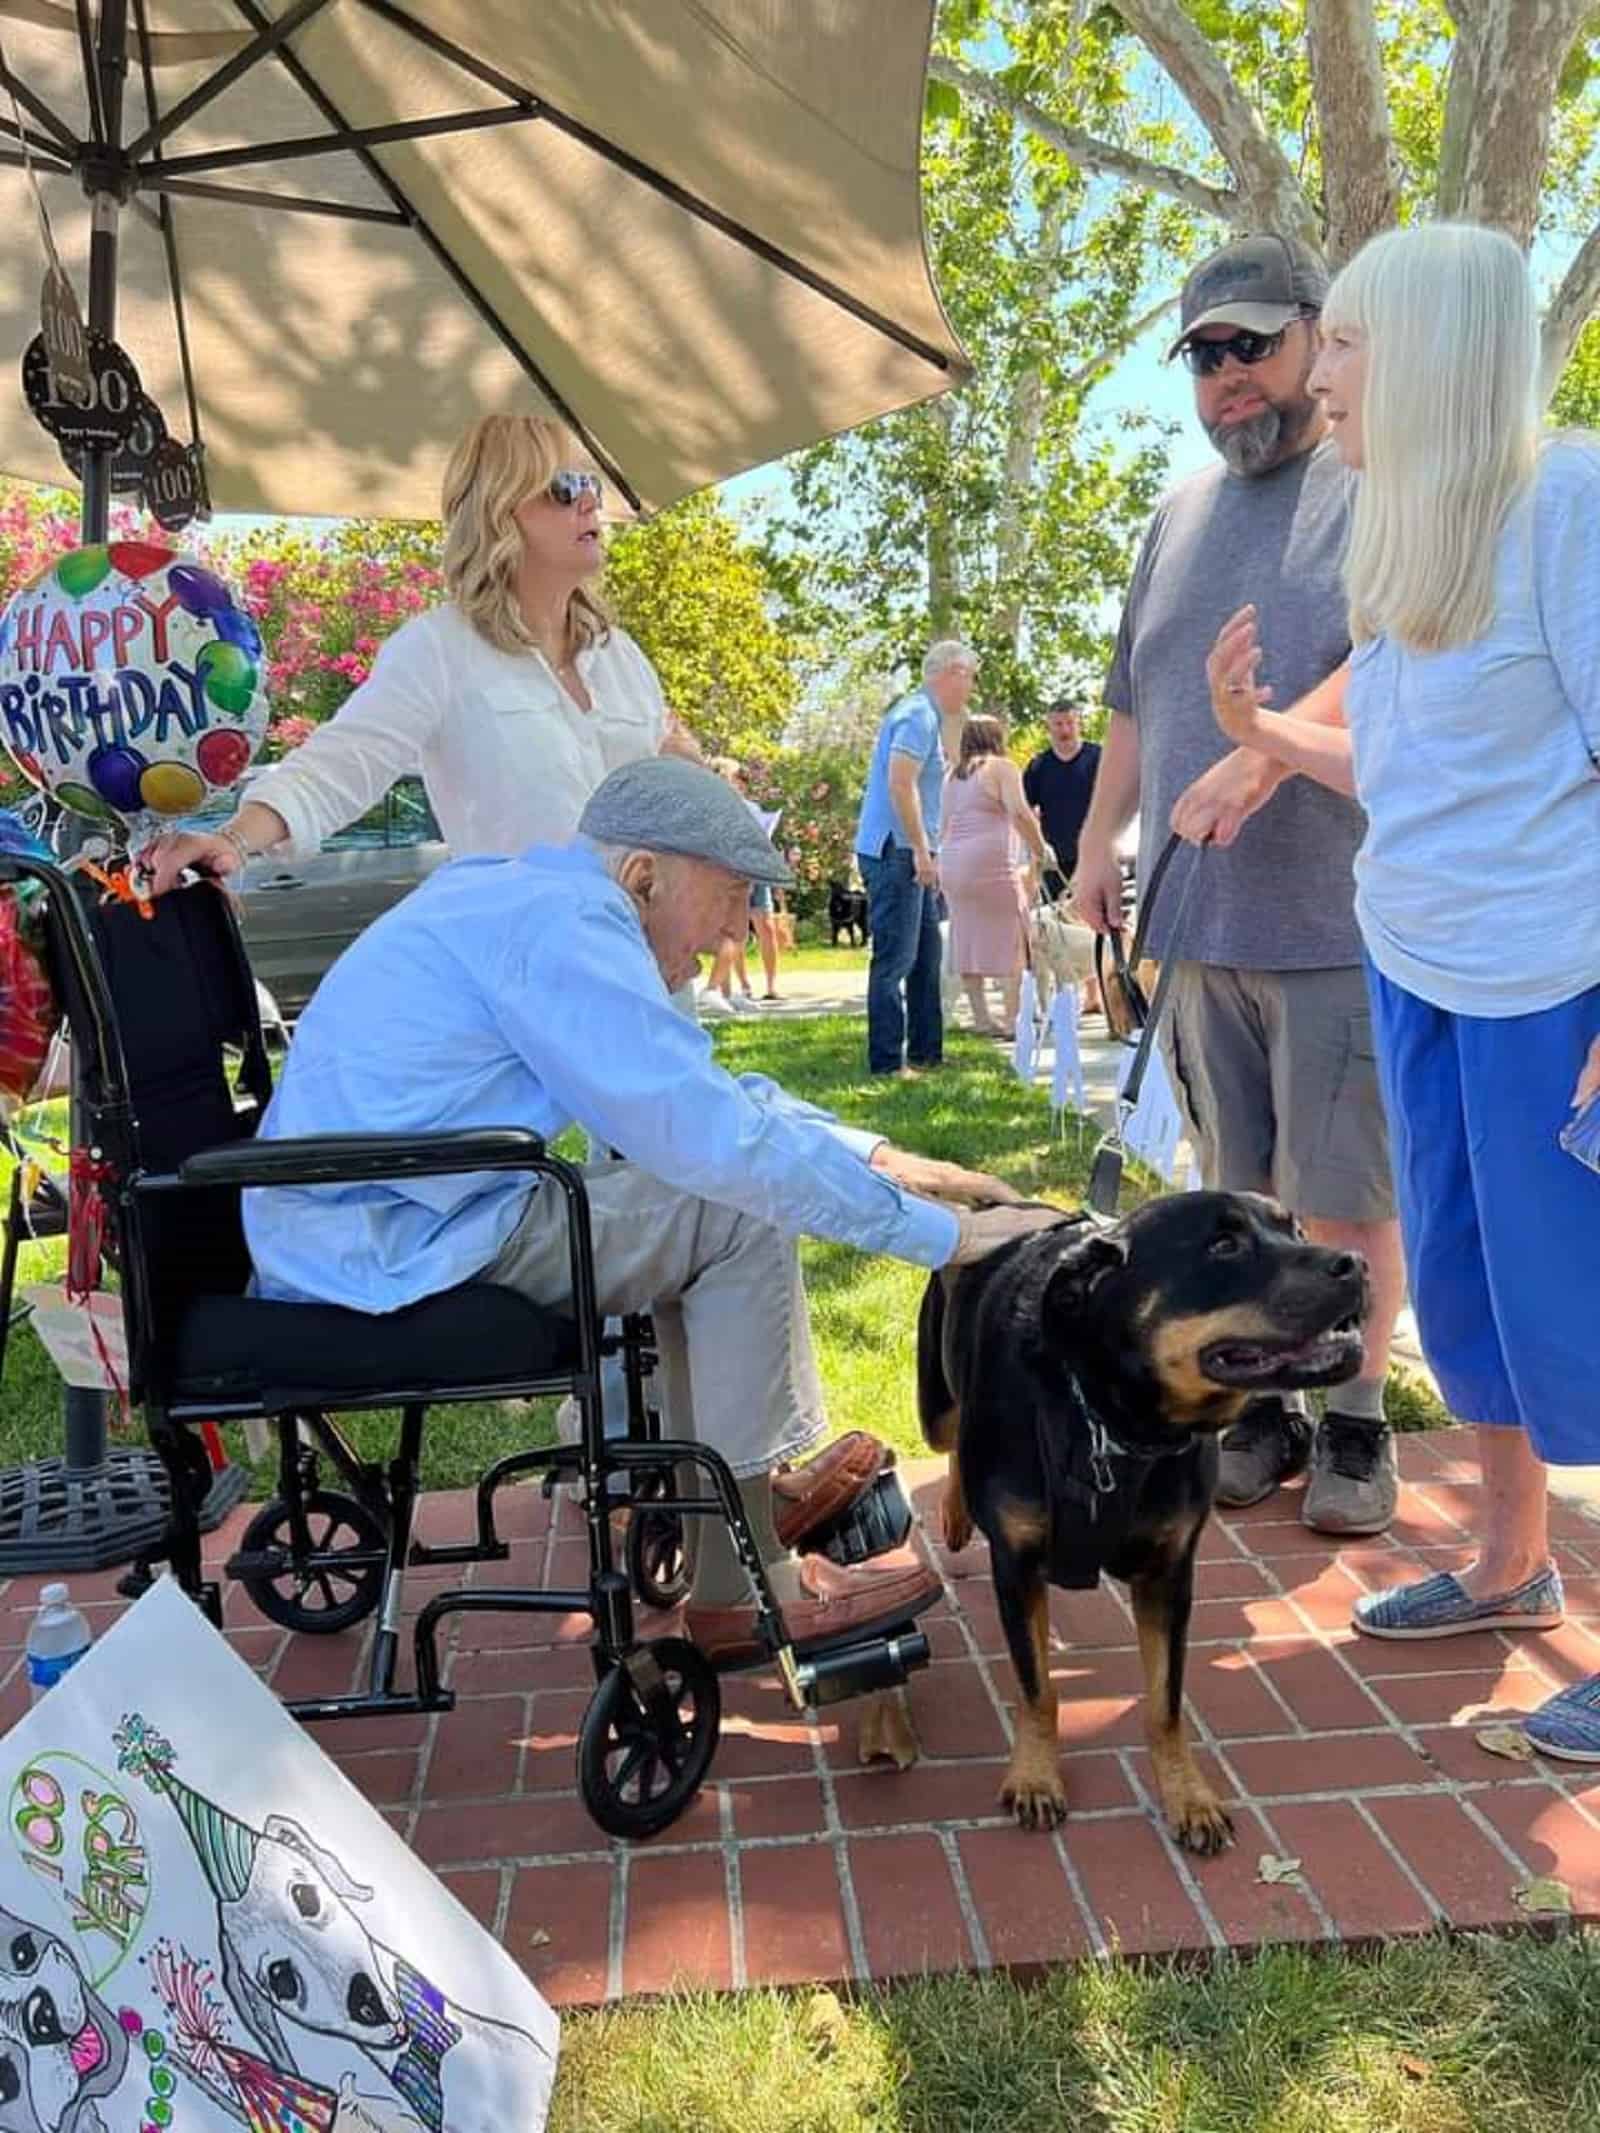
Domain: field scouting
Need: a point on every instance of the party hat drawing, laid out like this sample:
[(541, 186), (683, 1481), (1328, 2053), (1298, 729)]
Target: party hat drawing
[(225, 1846)]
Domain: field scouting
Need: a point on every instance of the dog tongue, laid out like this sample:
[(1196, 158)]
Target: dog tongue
[(88, 2049)]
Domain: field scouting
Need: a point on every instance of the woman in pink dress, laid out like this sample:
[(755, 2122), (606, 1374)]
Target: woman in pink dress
[(985, 813)]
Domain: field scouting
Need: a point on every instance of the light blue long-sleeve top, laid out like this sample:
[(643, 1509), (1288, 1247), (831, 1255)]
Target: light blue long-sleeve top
[(1478, 884), (522, 992)]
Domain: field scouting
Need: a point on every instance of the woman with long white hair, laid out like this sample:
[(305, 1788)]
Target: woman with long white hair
[(1467, 722), (512, 699)]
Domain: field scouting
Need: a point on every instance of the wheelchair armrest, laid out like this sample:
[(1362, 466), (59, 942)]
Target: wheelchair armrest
[(353, 1158)]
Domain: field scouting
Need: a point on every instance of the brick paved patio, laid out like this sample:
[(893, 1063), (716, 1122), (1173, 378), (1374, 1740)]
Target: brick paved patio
[(1357, 1758)]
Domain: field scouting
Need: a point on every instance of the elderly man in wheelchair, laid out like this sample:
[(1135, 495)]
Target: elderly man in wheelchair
[(536, 990)]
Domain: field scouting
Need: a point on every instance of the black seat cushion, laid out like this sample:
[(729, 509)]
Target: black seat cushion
[(275, 1356)]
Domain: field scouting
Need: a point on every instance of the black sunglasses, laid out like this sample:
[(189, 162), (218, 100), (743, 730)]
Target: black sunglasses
[(1205, 358), (574, 482)]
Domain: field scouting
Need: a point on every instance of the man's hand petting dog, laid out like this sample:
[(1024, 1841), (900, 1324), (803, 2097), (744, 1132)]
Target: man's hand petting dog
[(993, 1211)]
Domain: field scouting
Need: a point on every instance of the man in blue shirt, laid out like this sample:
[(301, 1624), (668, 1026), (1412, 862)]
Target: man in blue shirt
[(897, 848), (535, 992)]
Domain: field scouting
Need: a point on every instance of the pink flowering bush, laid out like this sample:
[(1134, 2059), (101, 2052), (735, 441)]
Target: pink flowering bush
[(819, 791)]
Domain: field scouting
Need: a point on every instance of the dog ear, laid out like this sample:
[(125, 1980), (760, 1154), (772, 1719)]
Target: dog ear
[(332, 1872), (1083, 1262)]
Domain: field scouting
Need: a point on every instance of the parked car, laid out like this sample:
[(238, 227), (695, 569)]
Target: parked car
[(299, 914)]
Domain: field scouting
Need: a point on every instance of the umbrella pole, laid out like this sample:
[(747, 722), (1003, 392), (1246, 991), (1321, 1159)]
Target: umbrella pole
[(94, 1508)]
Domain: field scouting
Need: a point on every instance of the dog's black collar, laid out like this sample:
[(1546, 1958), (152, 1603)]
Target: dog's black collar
[(1092, 1481), (1107, 1451)]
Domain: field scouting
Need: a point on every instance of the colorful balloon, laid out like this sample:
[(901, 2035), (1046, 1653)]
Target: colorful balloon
[(132, 683)]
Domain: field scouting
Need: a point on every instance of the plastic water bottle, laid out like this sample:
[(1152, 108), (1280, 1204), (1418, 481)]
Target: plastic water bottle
[(57, 1640)]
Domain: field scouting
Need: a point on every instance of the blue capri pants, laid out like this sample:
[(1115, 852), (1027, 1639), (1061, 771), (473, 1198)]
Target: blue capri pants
[(1501, 1226)]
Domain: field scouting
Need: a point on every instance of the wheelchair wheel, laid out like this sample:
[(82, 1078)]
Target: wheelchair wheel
[(658, 1561), (327, 1598), (643, 1752)]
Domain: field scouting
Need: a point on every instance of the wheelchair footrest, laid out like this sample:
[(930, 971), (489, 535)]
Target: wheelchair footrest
[(845, 1670), (396, 1704)]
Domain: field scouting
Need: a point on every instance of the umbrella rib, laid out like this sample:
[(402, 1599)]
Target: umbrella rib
[(442, 253), (667, 187), (354, 137), (14, 159), (159, 181), (169, 234), (91, 75), (267, 41), (50, 120), (35, 141)]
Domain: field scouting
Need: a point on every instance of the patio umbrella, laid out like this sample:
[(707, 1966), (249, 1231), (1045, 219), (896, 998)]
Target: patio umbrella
[(693, 227)]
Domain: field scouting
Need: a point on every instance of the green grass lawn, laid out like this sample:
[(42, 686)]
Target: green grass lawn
[(864, 1309), (1469, 2036)]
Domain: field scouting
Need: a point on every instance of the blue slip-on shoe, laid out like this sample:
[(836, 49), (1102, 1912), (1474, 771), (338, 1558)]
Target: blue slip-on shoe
[(1568, 1725), (1441, 1606)]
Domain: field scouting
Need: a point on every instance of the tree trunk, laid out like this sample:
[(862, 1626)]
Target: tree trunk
[(944, 579), (1504, 73), (1360, 182), (1013, 526)]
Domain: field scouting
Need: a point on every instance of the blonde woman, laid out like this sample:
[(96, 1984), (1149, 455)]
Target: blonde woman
[(985, 812), (1467, 722), (511, 700)]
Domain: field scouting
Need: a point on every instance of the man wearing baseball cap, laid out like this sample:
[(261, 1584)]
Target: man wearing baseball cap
[(1267, 1035), (535, 991)]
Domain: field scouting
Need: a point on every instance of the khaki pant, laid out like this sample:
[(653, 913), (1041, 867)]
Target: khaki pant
[(1275, 1072), (732, 1330)]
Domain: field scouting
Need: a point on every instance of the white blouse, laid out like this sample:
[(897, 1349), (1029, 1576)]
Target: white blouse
[(506, 755)]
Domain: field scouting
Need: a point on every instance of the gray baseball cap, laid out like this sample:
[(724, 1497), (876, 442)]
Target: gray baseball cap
[(1261, 283), (664, 803)]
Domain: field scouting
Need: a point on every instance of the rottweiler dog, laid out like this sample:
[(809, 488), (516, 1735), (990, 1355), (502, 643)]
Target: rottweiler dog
[(1078, 1379)]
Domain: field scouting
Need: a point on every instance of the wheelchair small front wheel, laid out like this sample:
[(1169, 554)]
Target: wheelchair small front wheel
[(658, 1560), (648, 1737), (324, 1595)]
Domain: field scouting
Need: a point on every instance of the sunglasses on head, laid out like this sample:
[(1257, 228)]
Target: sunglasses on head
[(1205, 358), (575, 482)]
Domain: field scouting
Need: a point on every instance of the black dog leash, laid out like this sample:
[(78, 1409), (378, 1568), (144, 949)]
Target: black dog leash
[(1105, 1172)]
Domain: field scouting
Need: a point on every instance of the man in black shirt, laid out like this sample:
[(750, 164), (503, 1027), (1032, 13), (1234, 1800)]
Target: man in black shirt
[(1058, 784)]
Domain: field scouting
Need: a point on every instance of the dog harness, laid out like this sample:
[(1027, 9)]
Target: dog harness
[(1092, 1485), (418, 2072)]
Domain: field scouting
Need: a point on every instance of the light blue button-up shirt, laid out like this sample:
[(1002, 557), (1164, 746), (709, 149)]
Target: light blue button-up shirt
[(911, 728), (521, 992)]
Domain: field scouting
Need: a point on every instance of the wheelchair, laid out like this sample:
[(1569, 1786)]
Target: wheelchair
[(174, 1076)]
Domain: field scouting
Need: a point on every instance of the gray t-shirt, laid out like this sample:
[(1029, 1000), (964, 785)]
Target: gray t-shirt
[(1282, 896)]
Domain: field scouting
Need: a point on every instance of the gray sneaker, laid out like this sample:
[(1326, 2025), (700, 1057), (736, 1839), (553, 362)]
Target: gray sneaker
[(1355, 1478), (1269, 1443)]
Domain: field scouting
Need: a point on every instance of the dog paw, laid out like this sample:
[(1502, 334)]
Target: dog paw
[(1036, 1799), (955, 1521), (1200, 1823), (885, 1733)]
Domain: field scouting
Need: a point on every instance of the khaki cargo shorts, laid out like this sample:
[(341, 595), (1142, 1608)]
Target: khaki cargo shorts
[(1276, 1073)]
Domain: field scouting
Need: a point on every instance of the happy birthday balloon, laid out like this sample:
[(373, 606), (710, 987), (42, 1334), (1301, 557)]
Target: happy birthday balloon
[(132, 683)]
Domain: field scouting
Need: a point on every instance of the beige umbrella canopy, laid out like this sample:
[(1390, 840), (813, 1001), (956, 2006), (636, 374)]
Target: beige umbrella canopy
[(693, 226)]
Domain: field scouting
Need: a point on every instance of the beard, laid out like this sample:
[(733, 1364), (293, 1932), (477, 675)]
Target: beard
[(1262, 442)]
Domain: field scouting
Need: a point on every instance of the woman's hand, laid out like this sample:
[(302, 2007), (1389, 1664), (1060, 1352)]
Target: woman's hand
[(1236, 697), (1589, 1079), (1217, 806), (159, 864)]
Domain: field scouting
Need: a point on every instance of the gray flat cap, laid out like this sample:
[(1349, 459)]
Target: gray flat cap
[(663, 803)]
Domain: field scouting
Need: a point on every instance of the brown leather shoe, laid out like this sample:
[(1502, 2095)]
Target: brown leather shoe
[(837, 1604), (808, 1497)]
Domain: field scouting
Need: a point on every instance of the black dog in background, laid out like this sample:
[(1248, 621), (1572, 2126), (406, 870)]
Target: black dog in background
[(1078, 1380), (847, 913)]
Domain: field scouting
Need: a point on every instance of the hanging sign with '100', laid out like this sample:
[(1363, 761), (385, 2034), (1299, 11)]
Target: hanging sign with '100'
[(113, 406)]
